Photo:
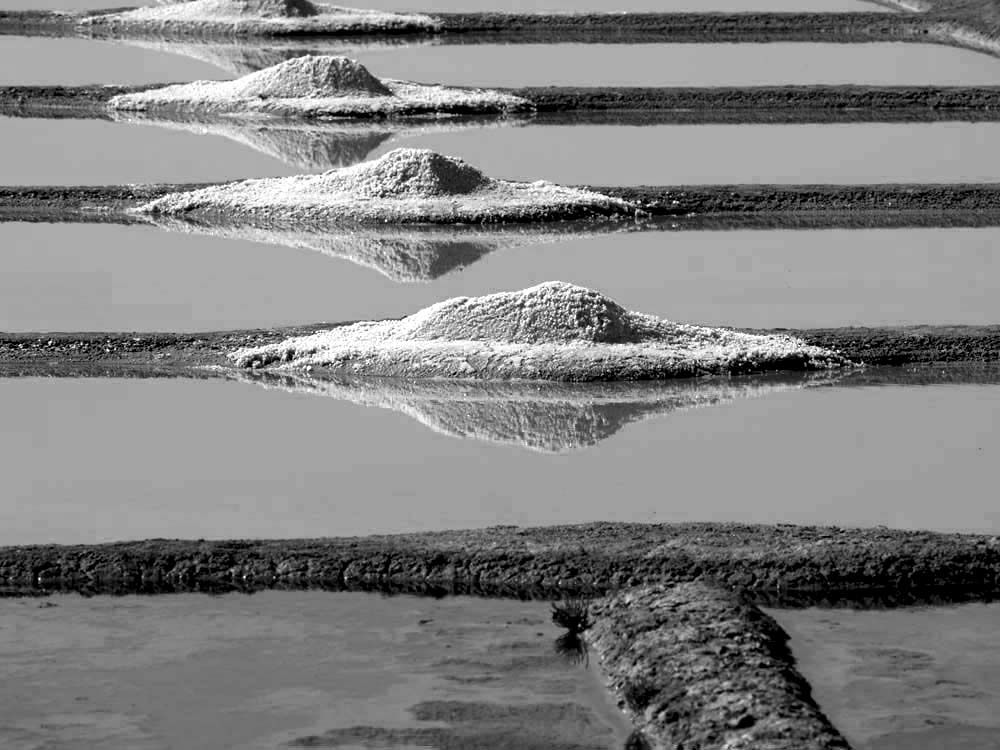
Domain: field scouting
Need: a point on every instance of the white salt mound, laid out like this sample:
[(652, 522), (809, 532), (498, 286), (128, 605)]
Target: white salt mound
[(310, 76), (319, 86), (404, 185), (259, 17), (553, 331)]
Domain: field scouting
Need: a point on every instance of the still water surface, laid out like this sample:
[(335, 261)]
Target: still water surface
[(112, 278), (100, 460), (280, 669), (81, 152), (524, 6), (75, 61)]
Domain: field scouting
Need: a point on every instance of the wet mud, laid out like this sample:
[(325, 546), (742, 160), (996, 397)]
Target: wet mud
[(601, 556), (633, 105)]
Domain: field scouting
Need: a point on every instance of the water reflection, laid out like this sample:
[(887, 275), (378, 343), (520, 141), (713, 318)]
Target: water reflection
[(242, 57), (314, 146), (541, 416), (401, 253)]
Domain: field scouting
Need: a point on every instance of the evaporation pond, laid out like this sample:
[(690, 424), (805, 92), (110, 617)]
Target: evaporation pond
[(106, 459), (307, 669), (45, 61), (92, 277), (532, 6), (903, 679), (82, 152)]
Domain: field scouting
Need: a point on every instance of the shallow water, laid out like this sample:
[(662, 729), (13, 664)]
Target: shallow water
[(523, 6), (84, 152), (100, 460), (907, 679), (275, 668), (100, 277), (43, 61)]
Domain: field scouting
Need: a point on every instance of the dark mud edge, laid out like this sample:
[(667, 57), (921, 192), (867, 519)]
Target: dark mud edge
[(675, 201), (146, 354), (632, 105)]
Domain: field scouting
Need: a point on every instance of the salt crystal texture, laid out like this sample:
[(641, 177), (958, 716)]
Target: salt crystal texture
[(319, 86), (258, 17), (403, 186), (553, 331)]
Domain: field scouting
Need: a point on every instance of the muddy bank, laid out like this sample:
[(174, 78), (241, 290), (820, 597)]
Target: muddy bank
[(598, 556), (658, 201), (175, 351), (560, 27), (694, 666), (632, 105)]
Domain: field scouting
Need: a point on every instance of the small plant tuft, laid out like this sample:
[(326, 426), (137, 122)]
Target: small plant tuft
[(573, 614)]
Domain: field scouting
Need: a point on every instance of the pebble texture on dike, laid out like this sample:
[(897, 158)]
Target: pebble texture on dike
[(553, 331), (695, 667)]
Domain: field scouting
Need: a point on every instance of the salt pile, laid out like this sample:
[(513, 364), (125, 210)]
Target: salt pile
[(553, 331), (543, 417), (319, 86), (259, 17), (404, 185)]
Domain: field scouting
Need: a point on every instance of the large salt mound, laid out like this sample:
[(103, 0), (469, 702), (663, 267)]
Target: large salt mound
[(554, 331), (544, 417), (319, 86), (403, 186), (258, 17)]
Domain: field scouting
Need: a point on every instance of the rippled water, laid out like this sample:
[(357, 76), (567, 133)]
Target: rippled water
[(100, 460)]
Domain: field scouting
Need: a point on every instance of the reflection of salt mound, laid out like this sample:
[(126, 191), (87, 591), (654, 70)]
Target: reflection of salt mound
[(554, 331), (404, 255), (319, 86), (310, 145), (404, 185), (251, 17), (547, 417)]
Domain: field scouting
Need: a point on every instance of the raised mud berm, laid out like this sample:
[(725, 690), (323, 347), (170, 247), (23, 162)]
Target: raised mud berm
[(553, 331), (696, 667), (404, 185)]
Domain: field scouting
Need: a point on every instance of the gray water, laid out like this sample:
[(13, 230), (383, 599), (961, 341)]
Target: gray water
[(100, 460), (905, 679), (98, 277), (523, 6), (75, 152), (269, 670), (44, 61)]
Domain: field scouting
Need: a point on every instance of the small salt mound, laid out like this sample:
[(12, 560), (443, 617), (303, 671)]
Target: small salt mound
[(404, 186), (552, 311), (203, 9), (311, 76), (554, 331), (408, 173)]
